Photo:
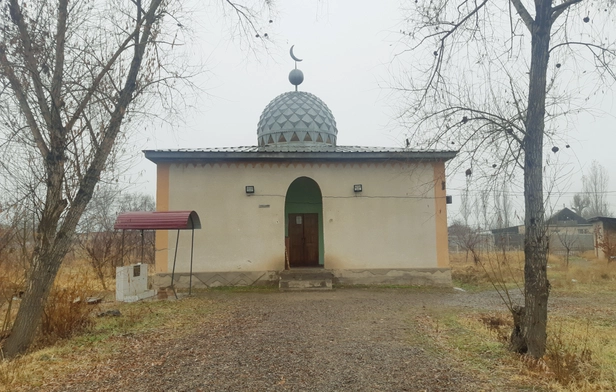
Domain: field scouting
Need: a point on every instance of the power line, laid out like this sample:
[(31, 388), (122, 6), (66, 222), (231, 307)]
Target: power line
[(521, 193)]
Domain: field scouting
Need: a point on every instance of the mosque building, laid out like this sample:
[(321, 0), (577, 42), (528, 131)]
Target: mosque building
[(298, 202)]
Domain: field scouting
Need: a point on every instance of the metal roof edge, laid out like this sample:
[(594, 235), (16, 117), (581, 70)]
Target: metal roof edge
[(179, 155), (601, 219)]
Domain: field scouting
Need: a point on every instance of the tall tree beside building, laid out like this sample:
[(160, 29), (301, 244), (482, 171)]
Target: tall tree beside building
[(72, 75), (483, 77)]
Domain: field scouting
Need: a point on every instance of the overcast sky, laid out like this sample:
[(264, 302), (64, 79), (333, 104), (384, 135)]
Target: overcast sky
[(348, 48)]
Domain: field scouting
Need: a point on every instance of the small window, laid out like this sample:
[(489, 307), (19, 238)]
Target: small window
[(137, 270), (298, 220)]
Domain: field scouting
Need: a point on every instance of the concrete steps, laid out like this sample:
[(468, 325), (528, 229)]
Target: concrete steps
[(305, 279)]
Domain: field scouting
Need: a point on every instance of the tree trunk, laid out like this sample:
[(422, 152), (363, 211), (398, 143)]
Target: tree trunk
[(536, 287), (517, 341), (41, 277), (54, 234)]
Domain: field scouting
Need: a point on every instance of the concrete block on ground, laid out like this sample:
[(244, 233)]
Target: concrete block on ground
[(132, 283)]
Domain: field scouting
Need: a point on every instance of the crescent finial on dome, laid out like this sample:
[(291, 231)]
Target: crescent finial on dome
[(296, 76), (293, 56)]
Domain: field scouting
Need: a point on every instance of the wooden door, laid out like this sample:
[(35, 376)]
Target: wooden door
[(296, 240), (311, 239), (303, 240)]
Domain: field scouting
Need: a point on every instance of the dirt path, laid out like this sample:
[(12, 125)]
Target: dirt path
[(344, 340)]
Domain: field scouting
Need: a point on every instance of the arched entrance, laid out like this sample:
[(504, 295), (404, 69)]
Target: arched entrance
[(304, 223)]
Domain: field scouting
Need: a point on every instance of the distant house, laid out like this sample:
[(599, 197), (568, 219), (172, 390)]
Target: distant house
[(604, 235), (567, 218), (509, 238), (565, 229)]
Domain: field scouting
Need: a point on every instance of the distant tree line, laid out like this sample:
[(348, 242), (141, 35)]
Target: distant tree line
[(592, 201)]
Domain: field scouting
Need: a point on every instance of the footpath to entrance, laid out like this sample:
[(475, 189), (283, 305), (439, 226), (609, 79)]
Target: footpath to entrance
[(341, 340)]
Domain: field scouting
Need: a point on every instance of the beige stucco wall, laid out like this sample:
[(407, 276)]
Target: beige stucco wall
[(162, 204), (396, 222)]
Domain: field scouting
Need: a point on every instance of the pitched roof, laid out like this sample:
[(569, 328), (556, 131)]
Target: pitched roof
[(566, 216)]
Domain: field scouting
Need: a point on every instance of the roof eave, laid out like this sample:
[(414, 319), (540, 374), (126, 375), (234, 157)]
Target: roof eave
[(157, 156), (601, 219)]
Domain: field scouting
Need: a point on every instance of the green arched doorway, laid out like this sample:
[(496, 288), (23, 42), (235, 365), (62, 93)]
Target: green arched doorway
[(303, 211)]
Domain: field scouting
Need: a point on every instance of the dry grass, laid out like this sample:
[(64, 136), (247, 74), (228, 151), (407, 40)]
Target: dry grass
[(107, 337), (67, 312), (493, 266), (583, 276), (11, 284), (587, 275), (581, 354)]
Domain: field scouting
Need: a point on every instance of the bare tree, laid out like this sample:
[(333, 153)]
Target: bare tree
[(482, 204), (502, 206), (467, 239), (595, 186), (71, 74), (71, 80), (568, 239), (104, 247), (580, 204), (484, 79), (466, 208)]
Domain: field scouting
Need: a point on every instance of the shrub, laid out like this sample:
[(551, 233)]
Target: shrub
[(67, 311), (570, 361), (11, 286)]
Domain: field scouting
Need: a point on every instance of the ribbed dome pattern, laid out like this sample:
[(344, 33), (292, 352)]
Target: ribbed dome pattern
[(297, 118)]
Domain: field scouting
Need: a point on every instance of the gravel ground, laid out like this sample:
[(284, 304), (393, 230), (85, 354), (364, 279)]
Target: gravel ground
[(342, 340)]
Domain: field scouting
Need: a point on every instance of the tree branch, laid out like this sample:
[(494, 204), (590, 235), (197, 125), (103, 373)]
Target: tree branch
[(90, 178), (28, 53), (56, 81), (96, 83), (22, 99), (439, 53), (559, 9), (526, 18)]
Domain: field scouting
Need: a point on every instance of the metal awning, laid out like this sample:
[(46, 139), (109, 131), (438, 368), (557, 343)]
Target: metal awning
[(160, 220)]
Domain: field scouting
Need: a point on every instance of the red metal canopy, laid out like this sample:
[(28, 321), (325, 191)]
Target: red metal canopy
[(161, 220)]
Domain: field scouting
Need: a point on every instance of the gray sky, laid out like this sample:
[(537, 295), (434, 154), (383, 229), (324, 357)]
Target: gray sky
[(348, 48)]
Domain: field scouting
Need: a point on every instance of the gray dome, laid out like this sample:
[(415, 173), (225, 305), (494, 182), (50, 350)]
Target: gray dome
[(297, 118)]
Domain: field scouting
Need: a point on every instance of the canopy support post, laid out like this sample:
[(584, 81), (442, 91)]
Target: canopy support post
[(192, 245), (122, 251), (142, 245), (175, 256)]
